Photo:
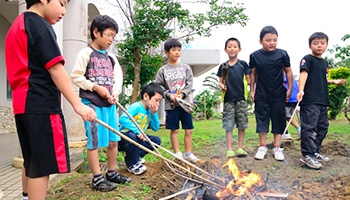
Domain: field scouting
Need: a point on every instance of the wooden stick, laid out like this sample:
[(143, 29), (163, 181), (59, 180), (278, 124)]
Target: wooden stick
[(169, 180), (152, 143), (181, 192), (155, 154), (290, 120), (271, 194), (247, 192)]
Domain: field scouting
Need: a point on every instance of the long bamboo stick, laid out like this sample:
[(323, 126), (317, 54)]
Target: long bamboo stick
[(181, 192), (152, 143), (155, 154)]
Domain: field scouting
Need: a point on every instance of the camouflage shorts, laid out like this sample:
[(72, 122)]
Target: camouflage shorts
[(235, 113)]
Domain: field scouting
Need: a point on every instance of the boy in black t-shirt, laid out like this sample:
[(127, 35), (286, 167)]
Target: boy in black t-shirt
[(233, 74), (269, 94), (313, 94)]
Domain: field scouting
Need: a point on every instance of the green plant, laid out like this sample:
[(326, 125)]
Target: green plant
[(207, 102), (337, 93)]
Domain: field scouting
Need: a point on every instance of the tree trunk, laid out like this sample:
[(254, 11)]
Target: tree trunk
[(137, 70)]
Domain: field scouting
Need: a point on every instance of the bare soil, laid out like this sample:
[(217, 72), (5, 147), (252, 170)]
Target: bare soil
[(287, 177)]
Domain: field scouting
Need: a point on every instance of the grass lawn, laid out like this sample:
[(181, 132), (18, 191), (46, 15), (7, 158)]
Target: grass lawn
[(210, 133)]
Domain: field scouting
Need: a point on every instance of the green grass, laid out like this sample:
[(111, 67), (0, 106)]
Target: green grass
[(210, 132)]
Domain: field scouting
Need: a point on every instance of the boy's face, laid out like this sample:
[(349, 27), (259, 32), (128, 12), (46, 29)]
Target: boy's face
[(54, 10), (318, 46), (269, 42), (232, 49), (155, 100), (104, 40), (173, 54)]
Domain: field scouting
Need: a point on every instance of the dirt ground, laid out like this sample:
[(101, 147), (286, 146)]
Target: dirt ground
[(289, 177)]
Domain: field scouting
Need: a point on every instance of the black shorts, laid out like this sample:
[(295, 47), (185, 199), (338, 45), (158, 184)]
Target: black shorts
[(266, 110), (43, 139)]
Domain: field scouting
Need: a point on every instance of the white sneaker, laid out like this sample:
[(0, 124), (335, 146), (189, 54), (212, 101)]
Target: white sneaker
[(191, 158), (278, 153), (142, 161), (178, 155), (260, 154), (287, 136)]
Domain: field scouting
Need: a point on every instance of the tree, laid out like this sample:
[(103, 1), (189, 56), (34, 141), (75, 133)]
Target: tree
[(151, 22)]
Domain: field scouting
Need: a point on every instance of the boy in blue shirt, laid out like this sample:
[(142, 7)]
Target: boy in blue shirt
[(144, 112)]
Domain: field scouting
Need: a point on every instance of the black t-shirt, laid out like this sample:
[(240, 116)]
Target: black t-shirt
[(269, 73), (316, 87), (31, 50), (234, 81)]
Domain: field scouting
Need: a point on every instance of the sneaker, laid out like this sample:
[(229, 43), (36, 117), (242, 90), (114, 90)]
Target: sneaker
[(230, 154), (137, 169), (287, 136), (241, 153), (142, 160), (298, 134), (321, 158), (278, 153), (118, 178), (260, 154), (191, 158), (103, 185), (312, 162), (178, 155)]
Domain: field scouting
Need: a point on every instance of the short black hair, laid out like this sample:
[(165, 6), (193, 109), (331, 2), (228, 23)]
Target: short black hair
[(101, 23), (233, 39), (151, 89), (32, 2), (171, 43), (266, 30), (318, 35)]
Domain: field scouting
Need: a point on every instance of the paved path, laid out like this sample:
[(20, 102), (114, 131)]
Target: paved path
[(10, 177)]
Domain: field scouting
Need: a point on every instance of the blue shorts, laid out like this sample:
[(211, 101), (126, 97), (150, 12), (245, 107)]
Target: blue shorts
[(173, 117), (44, 145), (99, 136), (266, 110)]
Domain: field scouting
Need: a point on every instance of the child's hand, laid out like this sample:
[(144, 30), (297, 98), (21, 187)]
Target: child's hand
[(300, 95), (87, 113), (252, 96), (153, 106), (340, 81), (102, 91), (222, 86), (141, 137), (113, 99)]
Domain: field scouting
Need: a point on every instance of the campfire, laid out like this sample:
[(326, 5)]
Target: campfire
[(241, 182), (201, 184)]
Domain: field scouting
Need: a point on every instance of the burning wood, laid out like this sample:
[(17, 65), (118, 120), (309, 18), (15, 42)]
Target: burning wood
[(245, 183)]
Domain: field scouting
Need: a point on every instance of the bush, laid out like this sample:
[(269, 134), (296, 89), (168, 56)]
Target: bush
[(337, 93)]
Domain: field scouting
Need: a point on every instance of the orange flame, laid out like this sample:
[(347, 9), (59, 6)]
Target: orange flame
[(241, 181)]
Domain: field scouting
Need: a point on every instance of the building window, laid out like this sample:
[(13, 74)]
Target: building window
[(8, 91)]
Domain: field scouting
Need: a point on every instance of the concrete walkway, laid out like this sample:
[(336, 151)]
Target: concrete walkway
[(10, 177)]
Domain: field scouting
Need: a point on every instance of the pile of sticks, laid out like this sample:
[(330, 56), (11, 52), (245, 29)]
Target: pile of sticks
[(205, 179)]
